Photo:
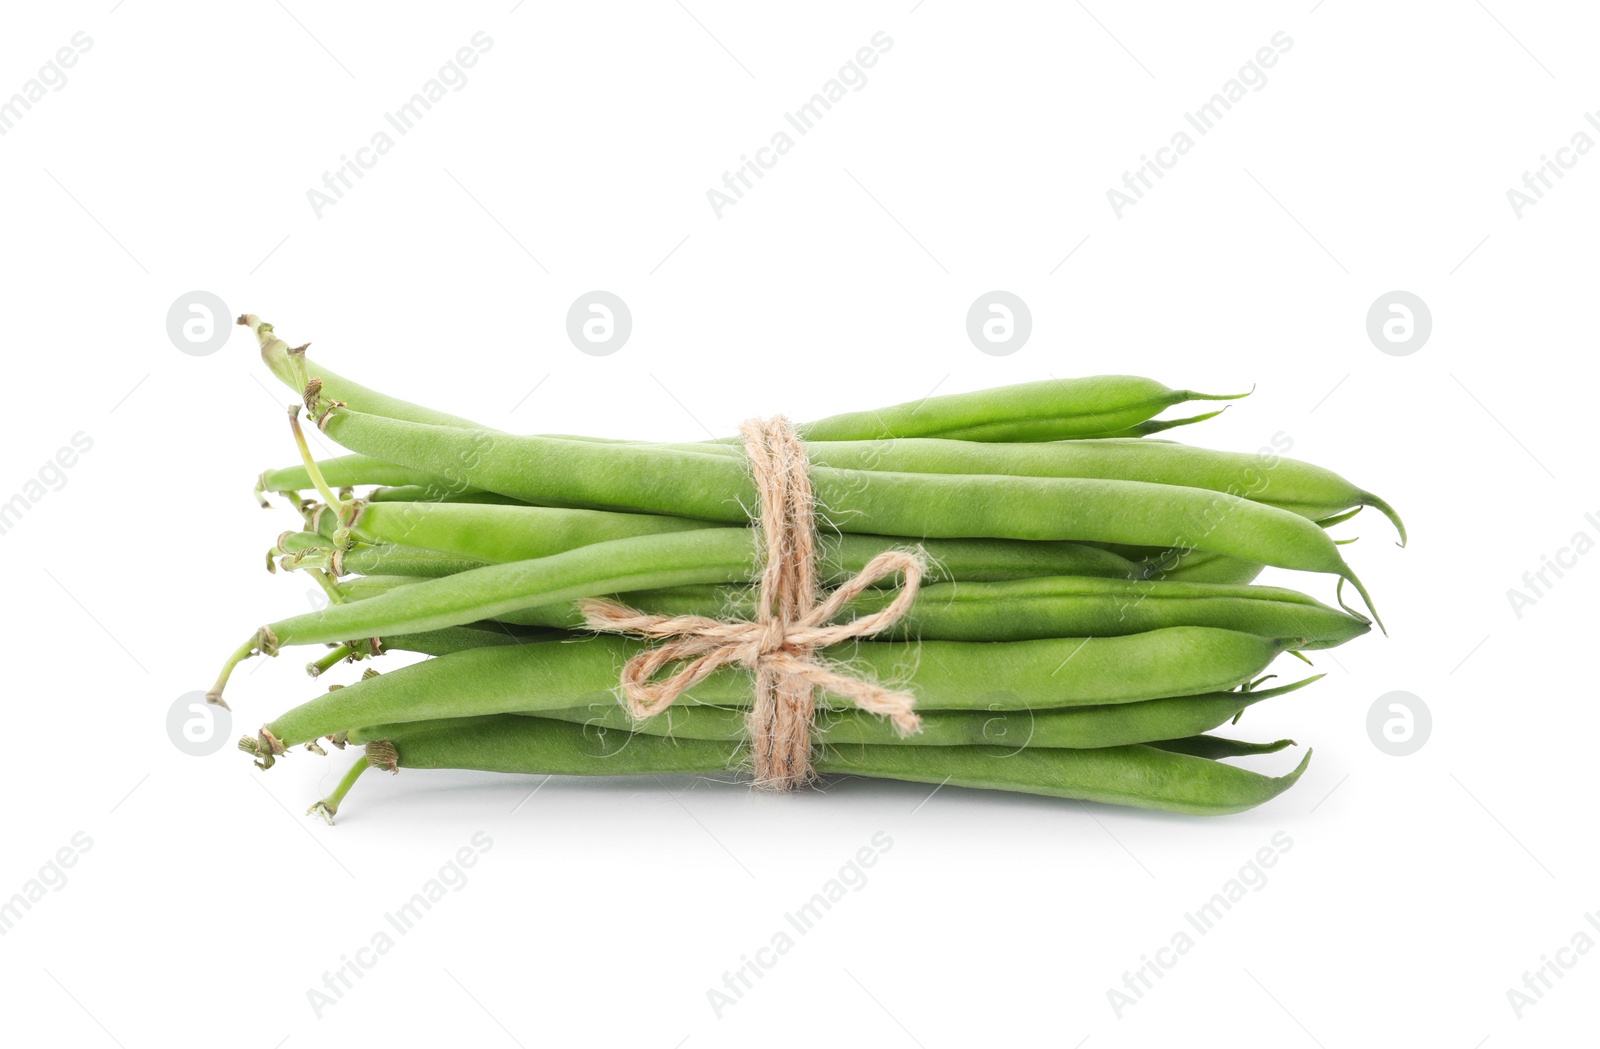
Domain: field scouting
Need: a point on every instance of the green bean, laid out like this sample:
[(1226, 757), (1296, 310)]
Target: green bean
[(1265, 477), (1199, 566), (312, 549), (503, 533), (1308, 490), (292, 368), (712, 555), (1066, 607), (1140, 776), (1301, 487), (411, 493), (363, 587), (1052, 409), (1048, 410), (431, 643), (1218, 747), (465, 638), (713, 488), (1019, 610), (1084, 623), (1143, 429), (343, 471), (1092, 726), (945, 675), (498, 534), (355, 470)]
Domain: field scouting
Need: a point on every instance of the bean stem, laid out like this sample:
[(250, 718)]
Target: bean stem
[(328, 807)]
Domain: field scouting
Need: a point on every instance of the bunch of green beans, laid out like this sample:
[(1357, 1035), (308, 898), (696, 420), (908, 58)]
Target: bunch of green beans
[(1087, 619)]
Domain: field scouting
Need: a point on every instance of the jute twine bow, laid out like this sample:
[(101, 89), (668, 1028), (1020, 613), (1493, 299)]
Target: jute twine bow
[(780, 645)]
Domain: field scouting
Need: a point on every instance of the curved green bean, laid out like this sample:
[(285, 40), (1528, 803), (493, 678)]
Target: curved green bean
[(1171, 717), (1051, 409), (1264, 477), (498, 534), (1048, 410), (1198, 566), (1217, 748), (312, 549), (713, 488), (1018, 610), (945, 675), (1145, 777), (1303, 488)]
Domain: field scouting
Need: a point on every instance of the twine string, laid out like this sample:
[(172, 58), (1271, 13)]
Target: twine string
[(780, 645)]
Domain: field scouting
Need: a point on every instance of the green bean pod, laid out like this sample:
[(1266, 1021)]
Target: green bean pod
[(1216, 748), (1137, 776), (1112, 725), (1143, 777), (312, 549), (498, 534), (291, 367), (434, 492), (344, 471), (1290, 484), (1198, 566), (1048, 410), (465, 638), (1264, 477), (714, 488), (1019, 610), (944, 675), (1300, 487)]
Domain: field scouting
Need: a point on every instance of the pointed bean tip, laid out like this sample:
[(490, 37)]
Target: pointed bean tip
[(1382, 506), (1347, 575), (1196, 395), (1299, 770)]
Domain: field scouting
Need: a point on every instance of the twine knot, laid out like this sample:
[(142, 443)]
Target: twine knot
[(791, 624)]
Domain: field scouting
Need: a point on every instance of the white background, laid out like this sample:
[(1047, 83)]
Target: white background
[(178, 155)]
